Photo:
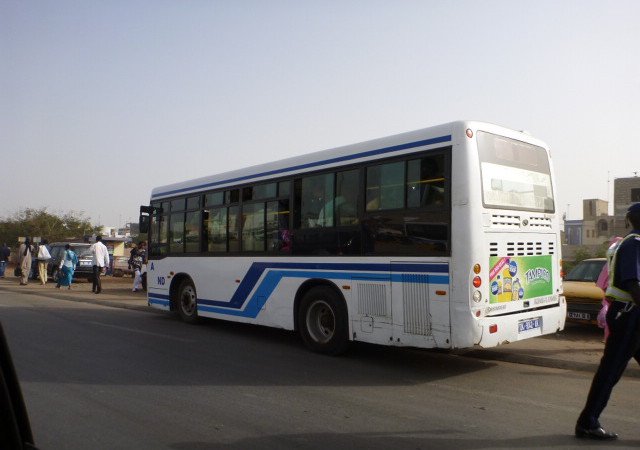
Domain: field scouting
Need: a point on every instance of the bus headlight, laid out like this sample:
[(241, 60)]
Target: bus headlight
[(477, 296)]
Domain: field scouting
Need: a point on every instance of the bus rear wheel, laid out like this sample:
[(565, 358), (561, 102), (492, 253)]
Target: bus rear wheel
[(323, 321), (187, 302)]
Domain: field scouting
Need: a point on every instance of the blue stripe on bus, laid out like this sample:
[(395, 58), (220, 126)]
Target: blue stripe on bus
[(156, 300), (264, 290), (380, 151)]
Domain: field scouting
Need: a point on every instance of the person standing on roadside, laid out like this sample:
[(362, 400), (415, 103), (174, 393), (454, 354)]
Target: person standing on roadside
[(5, 252), (24, 261), (44, 256), (100, 255), (67, 267), (137, 259), (623, 318)]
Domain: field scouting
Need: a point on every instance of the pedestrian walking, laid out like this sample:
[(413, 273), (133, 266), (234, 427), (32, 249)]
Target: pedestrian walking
[(100, 255), (136, 261), (5, 253), (623, 319), (44, 256), (67, 267), (24, 261)]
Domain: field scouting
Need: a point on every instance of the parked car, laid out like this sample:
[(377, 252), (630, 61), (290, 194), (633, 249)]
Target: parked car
[(584, 298), (84, 268), (121, 266)]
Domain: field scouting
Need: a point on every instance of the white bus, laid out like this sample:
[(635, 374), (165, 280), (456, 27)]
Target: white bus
[(445, 237)]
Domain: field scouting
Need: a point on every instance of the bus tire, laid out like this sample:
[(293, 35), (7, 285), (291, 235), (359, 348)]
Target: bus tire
[(323, 321), (186, 302)]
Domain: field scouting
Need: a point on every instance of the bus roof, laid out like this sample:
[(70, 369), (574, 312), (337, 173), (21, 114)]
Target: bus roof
[(397, 144)]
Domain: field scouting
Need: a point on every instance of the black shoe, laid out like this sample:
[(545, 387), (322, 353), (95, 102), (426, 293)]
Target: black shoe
[(598, 433)]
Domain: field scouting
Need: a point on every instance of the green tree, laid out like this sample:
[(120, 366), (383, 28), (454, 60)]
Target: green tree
[(38, 222), (581, 254)]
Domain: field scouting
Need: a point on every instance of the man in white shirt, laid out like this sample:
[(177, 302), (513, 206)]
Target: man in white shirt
[(100, 255)]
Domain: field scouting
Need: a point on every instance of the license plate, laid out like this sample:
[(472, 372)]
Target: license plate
[(84, 263), (579, 315), (529, 324)]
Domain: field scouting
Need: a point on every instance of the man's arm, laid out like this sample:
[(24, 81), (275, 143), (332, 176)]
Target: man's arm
[(106, 257)]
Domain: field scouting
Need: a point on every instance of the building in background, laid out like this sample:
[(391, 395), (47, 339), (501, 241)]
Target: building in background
[(572, 232), (594, 231), (626, 191), (597, 224)]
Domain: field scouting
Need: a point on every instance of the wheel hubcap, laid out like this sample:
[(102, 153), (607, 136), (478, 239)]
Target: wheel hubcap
[(321, 321), (188, 301)]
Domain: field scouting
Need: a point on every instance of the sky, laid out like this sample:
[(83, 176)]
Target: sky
[(102, 101)]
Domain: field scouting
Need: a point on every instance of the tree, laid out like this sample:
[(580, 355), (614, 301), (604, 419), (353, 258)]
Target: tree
[(38, 222), (581, 254)]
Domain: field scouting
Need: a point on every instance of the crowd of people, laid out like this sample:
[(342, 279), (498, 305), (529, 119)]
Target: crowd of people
[(34, 258)]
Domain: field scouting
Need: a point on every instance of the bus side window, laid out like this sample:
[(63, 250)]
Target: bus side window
[(176, 232), (192, 231), (385, 186), (425, 182), (346, 202), (159, 234), (216, 226), (278, 233), (314, 200)]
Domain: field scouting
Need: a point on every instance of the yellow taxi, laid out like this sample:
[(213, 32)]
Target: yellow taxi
[(584, 297)]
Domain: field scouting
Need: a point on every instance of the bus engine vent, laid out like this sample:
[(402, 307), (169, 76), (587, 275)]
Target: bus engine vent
[(539, 222), (372, 300), (532, 248), (551, 248), (516, 222), (505, 221), (415, 297)]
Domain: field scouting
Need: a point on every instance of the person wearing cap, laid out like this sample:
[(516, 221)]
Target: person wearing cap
[(623, 319)]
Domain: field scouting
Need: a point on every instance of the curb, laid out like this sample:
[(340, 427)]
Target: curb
[(82, 299)]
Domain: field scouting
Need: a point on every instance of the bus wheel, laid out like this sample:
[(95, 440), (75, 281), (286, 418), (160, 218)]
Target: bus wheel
[(187, 302), (323, 321)]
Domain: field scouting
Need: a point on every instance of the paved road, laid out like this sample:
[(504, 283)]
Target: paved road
[(101, 377)]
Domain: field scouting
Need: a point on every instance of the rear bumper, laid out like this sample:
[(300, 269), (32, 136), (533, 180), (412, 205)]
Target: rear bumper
[(550, 320)]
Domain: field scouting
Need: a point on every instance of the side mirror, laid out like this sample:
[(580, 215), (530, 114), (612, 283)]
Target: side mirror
[(144, 223), (145, 218)]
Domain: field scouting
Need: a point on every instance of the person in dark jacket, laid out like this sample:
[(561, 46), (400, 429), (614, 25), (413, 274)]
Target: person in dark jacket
[(623, 319)]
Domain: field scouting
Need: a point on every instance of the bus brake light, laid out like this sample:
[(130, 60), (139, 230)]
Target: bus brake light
[(477, 282)]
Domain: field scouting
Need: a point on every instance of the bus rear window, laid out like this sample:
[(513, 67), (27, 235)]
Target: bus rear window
[(515, 174)]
